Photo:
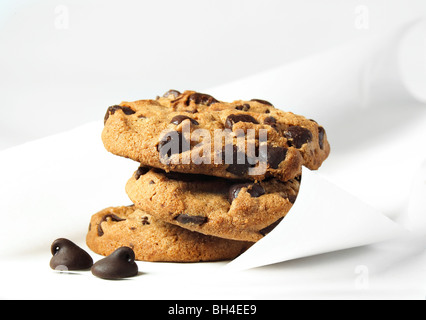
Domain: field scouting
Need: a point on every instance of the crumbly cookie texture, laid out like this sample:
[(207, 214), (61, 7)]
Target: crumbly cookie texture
[(136, 130), (213, 206), (154, 240)]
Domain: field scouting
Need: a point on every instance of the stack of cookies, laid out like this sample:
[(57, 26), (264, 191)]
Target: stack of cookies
[(213, 177)]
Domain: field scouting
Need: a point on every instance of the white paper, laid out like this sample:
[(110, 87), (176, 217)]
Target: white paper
[(415, 215), (324, 218)]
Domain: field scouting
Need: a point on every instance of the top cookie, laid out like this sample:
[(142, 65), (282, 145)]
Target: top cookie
[(192, 132)]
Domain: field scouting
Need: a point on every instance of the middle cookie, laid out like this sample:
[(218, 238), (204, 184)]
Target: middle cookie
[(213, 206)]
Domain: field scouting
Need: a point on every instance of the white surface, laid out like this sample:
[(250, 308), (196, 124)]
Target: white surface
[(385, 271), (49, 188)]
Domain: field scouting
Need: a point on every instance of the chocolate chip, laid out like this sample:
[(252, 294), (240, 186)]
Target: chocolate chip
[(173, 143), (321, 133), (185, 219), (263, 102), (126, 110), (145, 221), (113, 217), (68, 256), (235, 190), (270, 121), (255, 190), (173, 93), (201, 98), (234, 118), (244, 107), (298, 136), (269, 228), (111, 110), (141, 171), (238, 169), (274, 156), (240, 162), (292, 198), (119, 264), (178, 119)]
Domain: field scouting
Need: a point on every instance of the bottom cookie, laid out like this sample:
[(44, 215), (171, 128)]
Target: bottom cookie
[(154, 240)]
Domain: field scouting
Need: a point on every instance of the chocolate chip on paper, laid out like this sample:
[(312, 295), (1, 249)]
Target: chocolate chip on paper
[(67, 256), (118, 265)]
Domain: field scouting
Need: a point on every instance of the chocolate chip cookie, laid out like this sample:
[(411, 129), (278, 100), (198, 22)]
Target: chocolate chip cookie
[(154, 240), (193, 132), (214, 206)]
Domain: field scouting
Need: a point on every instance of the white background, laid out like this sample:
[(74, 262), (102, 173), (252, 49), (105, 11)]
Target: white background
[(62, 63)]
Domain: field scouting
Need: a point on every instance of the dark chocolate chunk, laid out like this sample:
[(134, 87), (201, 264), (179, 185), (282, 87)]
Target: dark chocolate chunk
[(172, 143), (274, 156), (111, 216), (201, 98), (321, 133), (263, 102), (118, 265), (244, 107), (173, 93), (271, 121), (235, 190), (240, 163), (185, 219), (255, 190), (145, 221), (269, 228), (111, 110), (234, 118), (141, 171), (68, 256), (292, 198), (298, 136), (178, 119)]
